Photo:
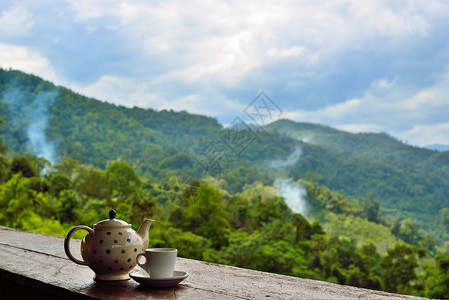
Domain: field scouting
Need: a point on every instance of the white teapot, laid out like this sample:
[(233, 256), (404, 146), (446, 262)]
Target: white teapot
[(111, 247)]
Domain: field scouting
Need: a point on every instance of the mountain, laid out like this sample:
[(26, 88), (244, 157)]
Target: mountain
[(438, 147), (379, 146), (55, 122), (409, 181), (276, 201)]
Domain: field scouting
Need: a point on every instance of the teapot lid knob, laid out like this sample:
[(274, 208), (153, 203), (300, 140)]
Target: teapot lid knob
[(112, 214), (112, 221)]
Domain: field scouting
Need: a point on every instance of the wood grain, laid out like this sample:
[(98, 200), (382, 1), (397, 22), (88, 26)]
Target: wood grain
[(35, 265)]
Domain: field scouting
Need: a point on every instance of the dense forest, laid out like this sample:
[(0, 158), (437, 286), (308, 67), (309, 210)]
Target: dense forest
[(374, 211)]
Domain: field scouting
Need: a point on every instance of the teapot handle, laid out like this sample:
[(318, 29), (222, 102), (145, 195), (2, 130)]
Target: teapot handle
[(67, 243)]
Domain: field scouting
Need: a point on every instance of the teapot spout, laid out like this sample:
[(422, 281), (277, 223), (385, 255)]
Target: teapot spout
[(143, 232)]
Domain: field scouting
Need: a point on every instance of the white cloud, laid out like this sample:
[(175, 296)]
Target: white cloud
[(129, 92), (122, 91), (93, 9), (194, 55), (418, 116), (424, 99), (423, 135), (378, 17), (384, 83), (200, 104), (289, 52), (432, 99), (23, 59), (351, 106), (227, 40), (15, 21), (298, 115)]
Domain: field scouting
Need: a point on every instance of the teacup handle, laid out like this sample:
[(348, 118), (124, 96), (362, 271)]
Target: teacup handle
[(67, 243), (143, 266)]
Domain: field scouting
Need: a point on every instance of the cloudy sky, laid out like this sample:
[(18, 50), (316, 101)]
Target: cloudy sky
[(378, 66)]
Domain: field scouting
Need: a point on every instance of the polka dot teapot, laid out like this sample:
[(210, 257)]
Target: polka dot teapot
[(111, 247)]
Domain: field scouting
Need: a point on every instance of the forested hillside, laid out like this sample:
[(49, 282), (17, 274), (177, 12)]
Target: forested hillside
[(380, 146), (337, 207), (410, 182)]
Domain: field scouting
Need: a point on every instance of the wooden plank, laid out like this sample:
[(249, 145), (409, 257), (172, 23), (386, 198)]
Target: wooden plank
[(38, 262), (250, 284), (61, 278)]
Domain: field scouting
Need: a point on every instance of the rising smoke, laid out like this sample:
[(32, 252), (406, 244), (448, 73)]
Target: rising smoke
[(30, 114), (291, 159), (295, 195)]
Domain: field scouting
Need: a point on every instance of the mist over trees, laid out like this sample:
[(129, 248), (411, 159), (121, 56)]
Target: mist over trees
[(370, 219)]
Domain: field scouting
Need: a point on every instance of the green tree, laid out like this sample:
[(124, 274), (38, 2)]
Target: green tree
[(437, 278), (122, 178), (188, 244), (142, 205), (395, 226), (369, 208), (67, 166), (265, 210), (302, 227), (58, 183), (428, 242), (444, 217), (371, 261), (177, 161), (92, 183), (17, 200), (205, 216), (408, 231), (93, 210), (244, 250), (259, 251), (4, 163), (67, 207), (24, 165), (338, 257), (237, 212), (398, 268)]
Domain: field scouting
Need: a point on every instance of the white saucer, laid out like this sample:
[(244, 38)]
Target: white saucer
[(142, 277)]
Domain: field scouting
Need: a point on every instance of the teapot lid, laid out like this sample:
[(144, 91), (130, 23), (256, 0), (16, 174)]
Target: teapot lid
[(111, 221)]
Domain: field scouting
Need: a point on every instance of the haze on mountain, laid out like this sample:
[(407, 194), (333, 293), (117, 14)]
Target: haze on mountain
[(376, 66), (53, 122)]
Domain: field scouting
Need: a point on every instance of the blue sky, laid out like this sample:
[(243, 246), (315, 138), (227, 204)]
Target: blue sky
[(377, 66)]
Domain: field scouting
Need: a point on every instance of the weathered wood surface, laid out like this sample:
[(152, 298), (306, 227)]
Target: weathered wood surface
[(35, 265)]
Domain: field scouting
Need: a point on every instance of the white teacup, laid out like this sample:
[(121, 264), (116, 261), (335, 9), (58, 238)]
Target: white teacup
[(160, 262)]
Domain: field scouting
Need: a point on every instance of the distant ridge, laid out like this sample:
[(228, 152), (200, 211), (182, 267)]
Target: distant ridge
[(381, 146), (438, 147), (409, 181)]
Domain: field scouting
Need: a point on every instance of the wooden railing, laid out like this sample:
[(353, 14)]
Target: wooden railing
[(34, 266)]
